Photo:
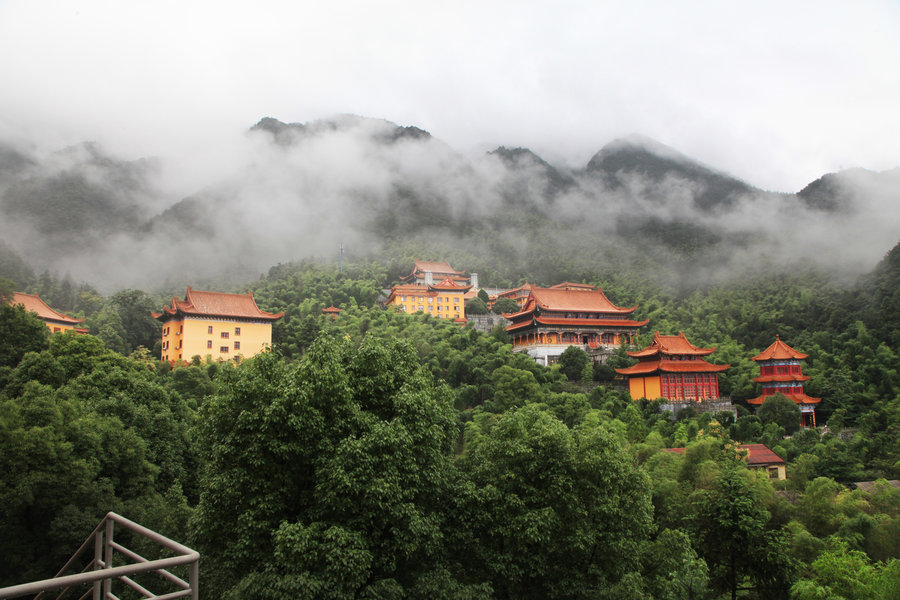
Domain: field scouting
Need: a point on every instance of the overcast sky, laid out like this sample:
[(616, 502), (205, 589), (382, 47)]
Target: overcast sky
[(776, 93)]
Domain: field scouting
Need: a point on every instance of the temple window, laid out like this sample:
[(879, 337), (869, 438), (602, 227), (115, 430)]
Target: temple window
[(223, 349), (237, 331), (237, 345), (209, 329), (209, 343), (224, 335)]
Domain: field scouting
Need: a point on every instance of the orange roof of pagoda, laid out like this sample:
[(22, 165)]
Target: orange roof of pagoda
[(33, 303), (797, 397), (333, 310), (781, 377), (672, 345), (557, 299), (525, 287), (216, 304), (779, 351)]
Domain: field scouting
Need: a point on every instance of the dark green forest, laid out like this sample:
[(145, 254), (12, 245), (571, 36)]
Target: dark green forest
[(387, 455)]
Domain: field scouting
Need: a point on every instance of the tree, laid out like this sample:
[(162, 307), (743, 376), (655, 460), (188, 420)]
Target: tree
[(549, 512), (20, 332), (476, 306), (572, 362), (780, 409), (730, 528), (328, 477), (505, 305)]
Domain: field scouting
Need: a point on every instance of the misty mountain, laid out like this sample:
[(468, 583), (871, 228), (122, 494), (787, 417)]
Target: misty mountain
[(657, 167), (289, 191), (841, 191)]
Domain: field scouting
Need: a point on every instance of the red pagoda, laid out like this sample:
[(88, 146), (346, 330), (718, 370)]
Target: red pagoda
[(552, 319), (673, 368), (780, 373)]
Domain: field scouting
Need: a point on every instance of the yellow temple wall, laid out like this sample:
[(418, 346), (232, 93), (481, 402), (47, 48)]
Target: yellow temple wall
[(192, 337), (644, 387), (58, 327), (449, 303)]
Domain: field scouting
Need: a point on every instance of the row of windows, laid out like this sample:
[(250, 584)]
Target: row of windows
[(237, 331), (430, 299), (167, 330), (780, 369), (237, 346)]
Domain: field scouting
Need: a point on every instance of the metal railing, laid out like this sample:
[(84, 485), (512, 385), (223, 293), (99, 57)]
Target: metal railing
[(99, 572)]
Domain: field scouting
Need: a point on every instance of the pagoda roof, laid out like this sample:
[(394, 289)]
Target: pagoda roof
[(759, 455), (781, 377), (525, 286), (421, 266), (779, 351), (448, 285), (568, 285), (331, 310), (577, 323), (797, 397), (550, 299), (216, 304), (34, 304), (671, 344), (646, 367)]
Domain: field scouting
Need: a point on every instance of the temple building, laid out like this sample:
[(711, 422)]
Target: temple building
[(674, 369), (427, 272), (55, 321), (519, 295), (552, 319), (222, 326), (780, 373), (445, 299)]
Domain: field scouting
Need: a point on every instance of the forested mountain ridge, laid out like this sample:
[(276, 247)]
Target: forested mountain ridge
[(288, 191)]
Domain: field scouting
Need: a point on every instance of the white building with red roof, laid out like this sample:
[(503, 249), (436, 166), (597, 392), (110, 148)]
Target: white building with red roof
[(555, 318), (215, 324)]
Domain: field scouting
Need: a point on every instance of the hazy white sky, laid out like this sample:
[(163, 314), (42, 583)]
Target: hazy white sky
[(777, 93)]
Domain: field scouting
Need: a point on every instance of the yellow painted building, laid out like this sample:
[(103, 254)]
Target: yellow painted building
[(55, 321), (445, 300), (215, 324)]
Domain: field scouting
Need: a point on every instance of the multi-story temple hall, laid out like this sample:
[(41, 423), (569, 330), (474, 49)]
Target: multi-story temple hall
[(780, 373), (554, 318), (215, 324), (673, 368)]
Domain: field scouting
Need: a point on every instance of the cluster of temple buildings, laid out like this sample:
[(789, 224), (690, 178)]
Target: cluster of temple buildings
[(549, 320)]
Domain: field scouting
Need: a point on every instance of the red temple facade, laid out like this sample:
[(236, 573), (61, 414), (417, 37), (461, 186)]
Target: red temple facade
[(780, 373), (672, 368), (552, 319)]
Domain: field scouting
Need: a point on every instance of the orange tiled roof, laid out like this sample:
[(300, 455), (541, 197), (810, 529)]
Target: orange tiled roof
[(568, 285), (593, 300), (216, 304), (448, 285), (671, 344), (780, 377), (646, 367), (434, 267), (798, 397), (779, 351), (578, 322), (333, 310), (33, 303)]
